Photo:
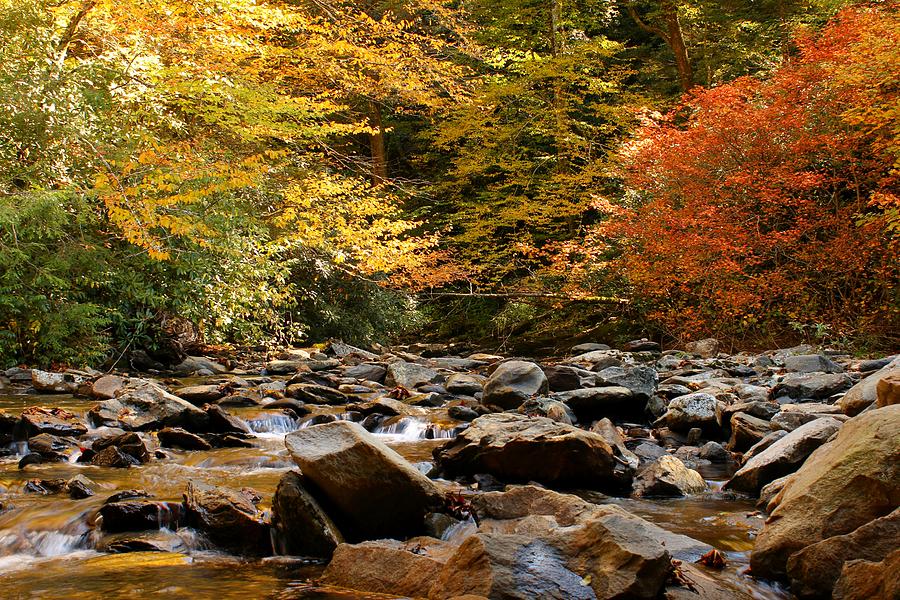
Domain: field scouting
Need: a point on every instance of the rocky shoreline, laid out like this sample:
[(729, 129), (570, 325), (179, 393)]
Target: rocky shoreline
[(530, 458)]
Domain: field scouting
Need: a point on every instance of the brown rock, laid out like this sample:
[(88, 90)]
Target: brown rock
[(865, 393), (229, 518), (844, 484), (815, 569), (667, 476), (518, 448), (866, 580), (888, 390), (302, 528), (375, 492)]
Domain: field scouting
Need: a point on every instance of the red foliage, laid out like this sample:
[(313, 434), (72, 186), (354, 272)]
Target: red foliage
[(765, 202)]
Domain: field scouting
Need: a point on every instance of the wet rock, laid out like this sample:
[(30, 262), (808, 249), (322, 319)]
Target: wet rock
[(595, 403), (126, 495), (150, 541), (814, 386), (147, 406), (221, 421), (201, 394), (409, 375), (374, 491), (32, 458), (129, 443), (140, 516), (811, 363), (783, 457), (52, 448), (316, 394), (108, 387), (865, 393), (693, 410), (230, 518), (388, 566), (299, 409), (302, 527), (367, 372), (466, 384), (114, 458), (746, 431), (462, 413), (667, 476), (844, 484), (612, 436), (706, 348), (519, 448), (176, 437), (45, 487), (514, 382), (80, 487), (867, 580), (54, 421), (814, 570), (54, 383)]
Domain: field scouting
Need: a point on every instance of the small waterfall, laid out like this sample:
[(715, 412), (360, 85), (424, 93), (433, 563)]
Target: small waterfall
[(413, 428), (274, 424), (459, 531)]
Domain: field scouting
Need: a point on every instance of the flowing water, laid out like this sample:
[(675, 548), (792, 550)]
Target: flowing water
[(48, 544)]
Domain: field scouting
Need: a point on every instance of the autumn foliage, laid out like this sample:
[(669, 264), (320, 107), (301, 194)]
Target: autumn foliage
[(762, 204)]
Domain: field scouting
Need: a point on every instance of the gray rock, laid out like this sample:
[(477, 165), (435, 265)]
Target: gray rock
[(815, 386), (811, 363), (193, 364), (54, 383), (147, 406), (668, 476), (367, 372), (706, 348), (588, 347), (513, 382), (410, 375), (467, 384), (641, 380), (599, 402), (692, 410), (865, 393)]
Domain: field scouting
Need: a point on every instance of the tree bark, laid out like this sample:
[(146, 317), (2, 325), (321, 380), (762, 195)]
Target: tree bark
[(673, 36), (376, 144)]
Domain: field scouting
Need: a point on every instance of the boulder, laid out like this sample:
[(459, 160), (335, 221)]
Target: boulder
[(705, 348), (229, 518), (409, 375), (811, 363), (200, 394), (407, 568), (595, 403), (641, 380), (366, 372), (667, 476), (545, 407), (783, 457), (865, 393), (518, 448), (375, 492), (108, 386), (129, 443), (302, 528), (466, 384), (561, 378), (141, 515), (221, 421), (54, 383), (867, 580), (692, 410), (514, 382), (814, 570), (114, 458), (176, 437), (888, 390), (147, 406), (588, 347), (844, 484), (811, 386), (55, 421), (52, 448), (746, 431), (311, 393)]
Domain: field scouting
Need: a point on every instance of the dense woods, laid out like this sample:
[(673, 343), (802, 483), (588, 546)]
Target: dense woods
[(277, 171)]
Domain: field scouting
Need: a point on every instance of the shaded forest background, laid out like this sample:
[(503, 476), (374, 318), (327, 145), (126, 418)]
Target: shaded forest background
[(269, 172)]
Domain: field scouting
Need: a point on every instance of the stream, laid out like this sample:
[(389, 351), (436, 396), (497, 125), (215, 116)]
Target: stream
[(48, 547)]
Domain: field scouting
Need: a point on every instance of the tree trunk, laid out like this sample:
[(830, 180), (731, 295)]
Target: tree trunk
[(676, 43), (376, 144)]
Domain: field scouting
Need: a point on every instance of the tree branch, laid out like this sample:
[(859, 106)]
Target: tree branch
[(645, 26), (63, 45)]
